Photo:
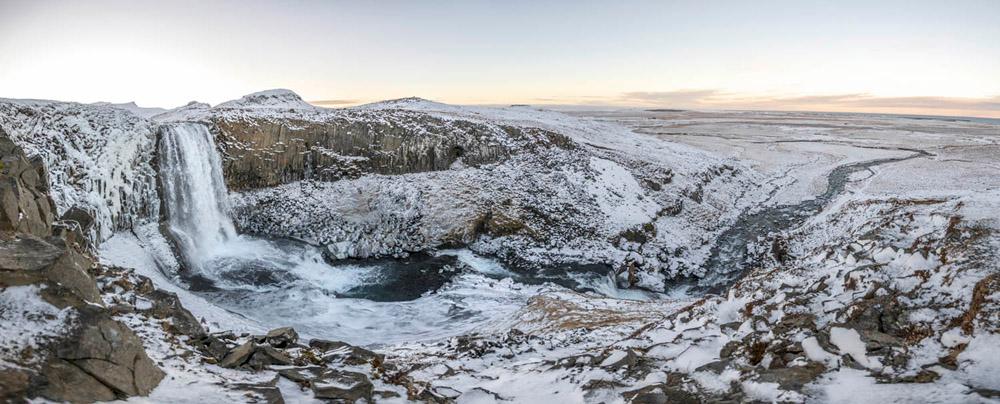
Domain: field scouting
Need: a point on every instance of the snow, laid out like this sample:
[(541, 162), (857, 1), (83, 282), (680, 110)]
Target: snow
[(769, 392), (28, 322), (849, 343), (980, 361), (816, 353), (97, 156), (919, 233), (145, 112), (852, 386), (277, 99)]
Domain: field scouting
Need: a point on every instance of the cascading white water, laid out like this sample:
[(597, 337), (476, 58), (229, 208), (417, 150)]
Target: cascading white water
[(194, 191)]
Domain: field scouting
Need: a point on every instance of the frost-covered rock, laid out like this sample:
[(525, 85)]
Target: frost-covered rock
[(98, 158)]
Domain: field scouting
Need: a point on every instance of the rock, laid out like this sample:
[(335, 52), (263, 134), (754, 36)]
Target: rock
[(620, 359), (67, 382), (71, 271), (13, 383), (265, 392), (883, 314), (166, 305), (256, 357), (792, 378), (302, 375), (265, 153), (101, 356), (336, 351), (27, 253), (269, 395), (575, 361), (25, 205), (282, 337), (660, 394), (27, 259), (213, 345), (238, 356), (342, 385), (266, 355), (79, 216)]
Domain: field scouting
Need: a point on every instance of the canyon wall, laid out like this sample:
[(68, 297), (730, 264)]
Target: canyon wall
[(260, 152)]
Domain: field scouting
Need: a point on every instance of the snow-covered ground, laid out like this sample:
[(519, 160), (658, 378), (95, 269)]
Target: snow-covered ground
[(890, 293)]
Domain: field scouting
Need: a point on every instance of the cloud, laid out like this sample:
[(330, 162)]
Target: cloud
[(671, 97), (859, 102)]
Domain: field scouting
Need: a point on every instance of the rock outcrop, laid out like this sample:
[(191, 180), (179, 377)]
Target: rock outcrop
[(59, 339), (25, 205), (262, 153)]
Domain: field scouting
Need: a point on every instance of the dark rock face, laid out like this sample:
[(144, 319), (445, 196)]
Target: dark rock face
[(263, 153), (106, 351), (25, 205), (282, 337), (342, 352), (29, 260), (167, 305), (342, 385)]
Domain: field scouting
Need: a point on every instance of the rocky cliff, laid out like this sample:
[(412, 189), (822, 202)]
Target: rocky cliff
[(98, 159), (259, 153), (60, 340), (273, 138)]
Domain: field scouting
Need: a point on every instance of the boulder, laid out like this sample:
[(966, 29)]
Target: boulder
[(101, 359), (238, 356), (266, 355), (661, 394), (256, 357), (342, 385), (27, 259), (336, 351), (302, 375), (166, 305), (282, 337), (80, 216)]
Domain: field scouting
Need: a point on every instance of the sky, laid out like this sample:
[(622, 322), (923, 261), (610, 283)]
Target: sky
[(920, 57)]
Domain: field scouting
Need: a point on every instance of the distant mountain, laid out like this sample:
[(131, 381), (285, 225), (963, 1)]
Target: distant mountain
[(277, 98), (135, 109)]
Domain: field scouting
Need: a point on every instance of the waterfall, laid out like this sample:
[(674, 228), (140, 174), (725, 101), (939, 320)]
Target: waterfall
[(194, 191)]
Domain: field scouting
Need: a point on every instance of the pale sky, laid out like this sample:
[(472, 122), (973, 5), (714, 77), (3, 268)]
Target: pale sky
[(932, 57)]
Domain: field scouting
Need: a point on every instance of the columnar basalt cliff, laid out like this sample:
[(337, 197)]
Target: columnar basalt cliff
[(273, 138), (262, 154)]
